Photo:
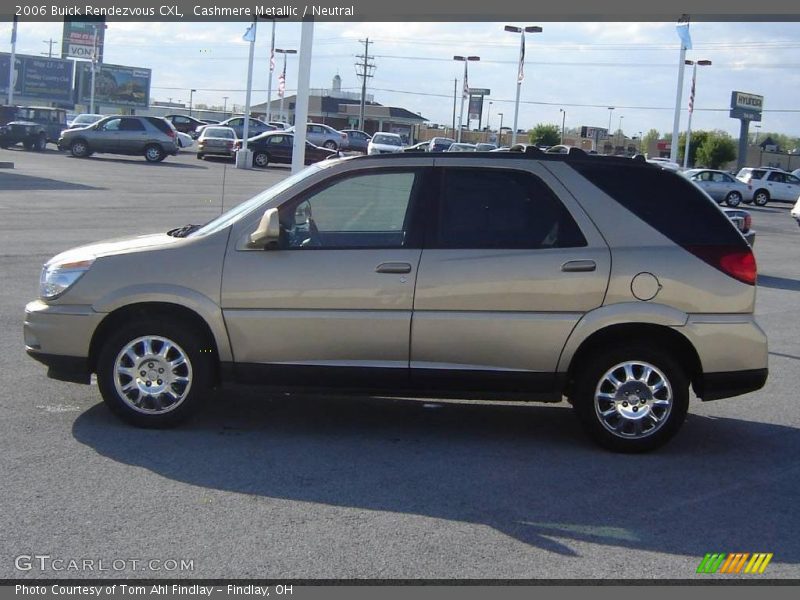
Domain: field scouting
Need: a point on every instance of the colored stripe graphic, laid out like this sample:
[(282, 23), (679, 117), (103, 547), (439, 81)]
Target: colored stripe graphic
[(733, 563)]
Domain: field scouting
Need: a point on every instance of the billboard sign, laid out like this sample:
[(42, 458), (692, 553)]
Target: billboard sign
[(746, 107), (78, 38), (475, 106), (39, 77), (115, 85), (594, 133)]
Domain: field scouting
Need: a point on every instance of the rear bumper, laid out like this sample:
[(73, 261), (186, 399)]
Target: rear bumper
[(734, 383)]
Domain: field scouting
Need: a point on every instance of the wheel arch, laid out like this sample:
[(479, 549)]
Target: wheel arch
[(142, 310), (659, 335)]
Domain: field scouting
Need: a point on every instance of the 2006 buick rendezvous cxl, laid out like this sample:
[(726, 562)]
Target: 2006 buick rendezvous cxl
[(513, 275)]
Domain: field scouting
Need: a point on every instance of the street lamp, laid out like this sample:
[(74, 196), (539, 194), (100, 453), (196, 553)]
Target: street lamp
[(563, 120), (466, 60), (488, 120), (520, 70), (282, 78), (191, 97), (758, 127), (610, 113), (621, 135), (500, 131), (702, 63)]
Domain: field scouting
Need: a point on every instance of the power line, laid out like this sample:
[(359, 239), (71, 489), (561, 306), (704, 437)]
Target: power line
[(51, 43)]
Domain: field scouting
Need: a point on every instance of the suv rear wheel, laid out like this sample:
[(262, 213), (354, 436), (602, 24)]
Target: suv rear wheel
[(41, 142), (761, 197), (154, 372), (154, 153), (631, 398)]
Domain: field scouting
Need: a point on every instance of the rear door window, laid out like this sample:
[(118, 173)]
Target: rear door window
[(497, 208)]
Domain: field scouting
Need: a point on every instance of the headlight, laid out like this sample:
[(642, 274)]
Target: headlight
[(57, 278)]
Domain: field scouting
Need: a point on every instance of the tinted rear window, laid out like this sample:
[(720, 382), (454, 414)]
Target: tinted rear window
[(665, 201), (162, 124)]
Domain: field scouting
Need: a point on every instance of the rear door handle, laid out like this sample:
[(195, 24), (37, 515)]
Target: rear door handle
[(578, 266), (393, 267)]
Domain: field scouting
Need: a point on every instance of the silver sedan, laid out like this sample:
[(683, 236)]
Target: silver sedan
[(721, 186)]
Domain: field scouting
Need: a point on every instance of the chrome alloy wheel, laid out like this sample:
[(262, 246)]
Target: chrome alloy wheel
[(152, 375), (633, 399)]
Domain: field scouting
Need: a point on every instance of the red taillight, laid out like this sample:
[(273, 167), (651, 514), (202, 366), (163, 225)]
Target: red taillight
[(237, 145), (734, 261), (171, 133), (748, 221)]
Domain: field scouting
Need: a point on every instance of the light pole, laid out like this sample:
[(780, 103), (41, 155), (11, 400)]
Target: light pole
[(758, 127), (641, 139), (488, 120), (563, 121), (466, 60), (282, 79), (520, 69), (12, 60), (191, 99), (610, 113), (94, 67), (621, 135), (500, 131), (702, 63), (225, 105), (686, 43), (271, 68)]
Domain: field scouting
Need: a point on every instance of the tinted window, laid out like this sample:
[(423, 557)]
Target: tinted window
[(131, 125), (776, 177), (363, 211), (162, 124), (792, 179), (489, 208), (112, 125), (665, 201), (277, 139)]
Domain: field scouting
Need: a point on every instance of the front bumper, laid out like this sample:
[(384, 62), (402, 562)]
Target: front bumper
[(59, 336)]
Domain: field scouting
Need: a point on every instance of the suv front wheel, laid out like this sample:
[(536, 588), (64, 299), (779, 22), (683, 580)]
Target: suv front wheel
[(631, 398), (154, 153), (79, 149), (761, 197), (154, 372)]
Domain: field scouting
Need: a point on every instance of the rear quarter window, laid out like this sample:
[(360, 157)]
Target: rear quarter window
[(664, 200)]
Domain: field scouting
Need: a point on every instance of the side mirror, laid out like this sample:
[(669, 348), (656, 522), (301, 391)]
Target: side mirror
[(268, 232)]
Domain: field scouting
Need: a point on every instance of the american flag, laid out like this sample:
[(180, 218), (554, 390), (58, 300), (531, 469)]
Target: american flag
[(272, 60), (282, 83), (521, 74), (465, 93), (691, 97)]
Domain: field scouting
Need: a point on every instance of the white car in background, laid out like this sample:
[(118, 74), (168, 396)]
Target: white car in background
[(184, 140), (664, 163), (385, 143)]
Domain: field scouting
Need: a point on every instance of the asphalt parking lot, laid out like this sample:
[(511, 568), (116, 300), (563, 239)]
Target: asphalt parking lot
[(296, 487)]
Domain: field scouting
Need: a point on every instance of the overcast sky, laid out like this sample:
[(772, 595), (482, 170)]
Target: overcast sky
[(581, 67)]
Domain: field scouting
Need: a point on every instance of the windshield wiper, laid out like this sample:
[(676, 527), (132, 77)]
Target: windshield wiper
[(183, 231)]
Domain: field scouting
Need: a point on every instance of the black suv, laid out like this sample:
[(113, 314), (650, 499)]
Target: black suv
[(31, 126)]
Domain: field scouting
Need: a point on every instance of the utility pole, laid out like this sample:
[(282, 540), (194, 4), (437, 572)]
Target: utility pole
[(364, 69), (455, 92), (51, 42), (12, 62)]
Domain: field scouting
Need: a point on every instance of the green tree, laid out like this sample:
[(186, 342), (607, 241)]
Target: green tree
[(698, 137), (650, 137), (717, 149), (545, 135)]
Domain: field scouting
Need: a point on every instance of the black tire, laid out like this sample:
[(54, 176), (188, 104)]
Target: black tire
[(154, 153), (28, 145), (330, 145), (260, 159), (79, 148), (199, 156), (761, 197), (192, 345), (41, 143), (733, 199), (591, 379)]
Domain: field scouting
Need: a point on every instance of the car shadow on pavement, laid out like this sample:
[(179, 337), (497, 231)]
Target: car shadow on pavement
[(141, 161), (17, 181), (526, 471), (779, 283)]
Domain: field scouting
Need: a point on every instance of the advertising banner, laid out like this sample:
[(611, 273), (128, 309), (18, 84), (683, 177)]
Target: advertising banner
[(48, 79), (115, 85), (475, 107), (746, 107)]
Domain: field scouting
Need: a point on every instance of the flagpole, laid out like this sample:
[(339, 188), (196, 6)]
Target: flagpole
[(243, 155), (461, 111), (689, 124), (519, 85), (283, 94), (12, 61), (271, 68)]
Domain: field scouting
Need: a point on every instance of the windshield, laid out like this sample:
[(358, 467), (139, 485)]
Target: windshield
[(86, 119), (219, 132), (233, 215), (389, 140)]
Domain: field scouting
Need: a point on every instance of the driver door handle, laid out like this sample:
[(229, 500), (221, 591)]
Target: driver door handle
[(393, 267), (577, 266)]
